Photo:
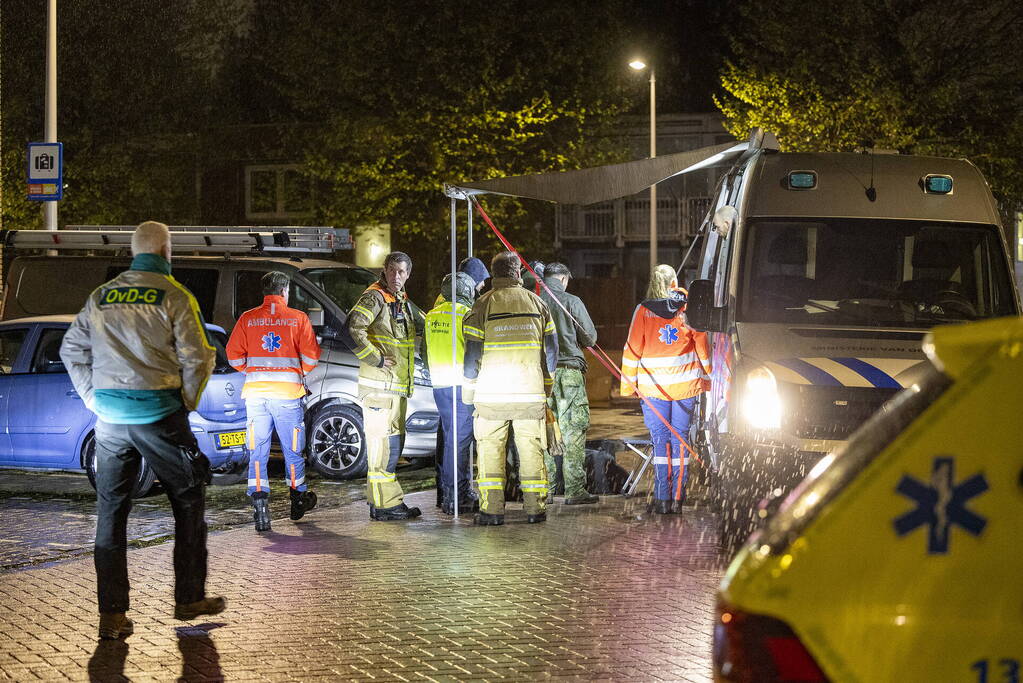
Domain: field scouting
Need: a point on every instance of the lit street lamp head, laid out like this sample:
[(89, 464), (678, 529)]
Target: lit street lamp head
[(638, 64)]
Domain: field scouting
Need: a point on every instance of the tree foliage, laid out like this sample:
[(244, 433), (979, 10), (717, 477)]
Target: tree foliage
[(410, 97), (928, 77), (133, 79), (382, 102)]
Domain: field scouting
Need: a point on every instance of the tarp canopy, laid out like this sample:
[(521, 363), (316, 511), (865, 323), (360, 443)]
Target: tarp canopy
[(603, 183)]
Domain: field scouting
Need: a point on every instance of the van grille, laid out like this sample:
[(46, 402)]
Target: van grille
[(832, 412)]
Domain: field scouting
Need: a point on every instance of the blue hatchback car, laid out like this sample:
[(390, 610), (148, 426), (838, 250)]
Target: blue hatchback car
[(45, 424)]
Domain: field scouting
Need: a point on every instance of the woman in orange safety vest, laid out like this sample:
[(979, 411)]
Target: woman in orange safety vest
[(669, 362)]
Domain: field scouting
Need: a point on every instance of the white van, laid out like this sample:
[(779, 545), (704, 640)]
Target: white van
[(818, 278), (225, 286)]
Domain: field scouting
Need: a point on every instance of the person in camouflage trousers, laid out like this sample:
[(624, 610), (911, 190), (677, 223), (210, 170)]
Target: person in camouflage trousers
[(568, 400)]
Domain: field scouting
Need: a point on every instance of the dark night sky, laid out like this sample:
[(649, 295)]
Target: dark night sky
[(689, 43)]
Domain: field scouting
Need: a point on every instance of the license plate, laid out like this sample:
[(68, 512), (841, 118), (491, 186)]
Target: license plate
[(230, 439)]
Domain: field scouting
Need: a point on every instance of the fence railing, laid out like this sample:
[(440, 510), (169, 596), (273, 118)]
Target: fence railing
[(629, 219)]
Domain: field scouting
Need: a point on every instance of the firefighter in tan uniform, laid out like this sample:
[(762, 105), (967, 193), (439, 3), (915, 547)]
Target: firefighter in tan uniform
[(383, 328), (511, 350)]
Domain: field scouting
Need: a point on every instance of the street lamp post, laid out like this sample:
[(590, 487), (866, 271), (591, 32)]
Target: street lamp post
[(639, 65)]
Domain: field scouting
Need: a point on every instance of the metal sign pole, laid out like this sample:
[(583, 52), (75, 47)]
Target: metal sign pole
[(50, 207)]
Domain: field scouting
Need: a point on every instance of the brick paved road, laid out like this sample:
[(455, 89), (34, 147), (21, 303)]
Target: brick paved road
[(49, 516), (595, 593)]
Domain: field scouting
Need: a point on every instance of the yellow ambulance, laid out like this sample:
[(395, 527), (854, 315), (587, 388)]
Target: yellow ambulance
[(900, 557)]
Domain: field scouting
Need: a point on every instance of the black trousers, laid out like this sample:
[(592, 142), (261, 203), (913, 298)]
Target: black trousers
[(171, 450)]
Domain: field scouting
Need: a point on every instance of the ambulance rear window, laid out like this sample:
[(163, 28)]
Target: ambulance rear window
[(836, 470)]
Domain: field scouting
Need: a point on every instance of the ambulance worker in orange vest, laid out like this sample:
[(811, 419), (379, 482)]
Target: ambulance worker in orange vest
[(670, 364), (275, 346)]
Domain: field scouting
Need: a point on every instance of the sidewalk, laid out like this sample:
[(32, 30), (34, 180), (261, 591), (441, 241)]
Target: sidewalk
[(598, 592)]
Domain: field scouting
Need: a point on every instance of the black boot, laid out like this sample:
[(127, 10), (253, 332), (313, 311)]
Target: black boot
[(584, 499), (301, 503), (661, 507), (466, 504), (537, 518), (485, 519), (262, 513), (393, 513)]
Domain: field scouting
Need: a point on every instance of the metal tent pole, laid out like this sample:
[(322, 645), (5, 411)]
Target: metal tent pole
[(469, 245), (468, 214), (454, 349)]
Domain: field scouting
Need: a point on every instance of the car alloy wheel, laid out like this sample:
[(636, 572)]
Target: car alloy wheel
[(337, 444)]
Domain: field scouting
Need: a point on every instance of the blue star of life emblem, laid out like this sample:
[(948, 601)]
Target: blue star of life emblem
[(271, 342), (941, 505), (668, 334)]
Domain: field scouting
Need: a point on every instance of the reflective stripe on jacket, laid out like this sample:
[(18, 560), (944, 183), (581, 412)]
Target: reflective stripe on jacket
[(275, 346), (383, 325), (141, 330), (445, 368), (511, 350), (664, 357)]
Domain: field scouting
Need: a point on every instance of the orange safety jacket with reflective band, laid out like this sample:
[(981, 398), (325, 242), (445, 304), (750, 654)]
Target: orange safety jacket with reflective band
[(275, 346), (664, 357)]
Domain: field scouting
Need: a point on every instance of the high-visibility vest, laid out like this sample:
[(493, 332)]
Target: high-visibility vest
[(664, 357), (445, 368), (276, 347)]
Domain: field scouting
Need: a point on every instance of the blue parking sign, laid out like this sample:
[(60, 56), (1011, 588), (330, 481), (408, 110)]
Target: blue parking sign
[(45, 171)]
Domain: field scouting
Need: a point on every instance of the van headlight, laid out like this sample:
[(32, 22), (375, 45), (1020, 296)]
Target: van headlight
[(761, 402)]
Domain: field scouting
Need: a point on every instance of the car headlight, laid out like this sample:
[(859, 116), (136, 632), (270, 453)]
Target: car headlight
[(761, 402)]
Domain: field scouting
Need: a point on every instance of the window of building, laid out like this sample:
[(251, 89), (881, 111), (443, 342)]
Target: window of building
[(273, 192)]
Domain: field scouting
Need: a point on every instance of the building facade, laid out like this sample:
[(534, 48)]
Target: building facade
[(612, 239)]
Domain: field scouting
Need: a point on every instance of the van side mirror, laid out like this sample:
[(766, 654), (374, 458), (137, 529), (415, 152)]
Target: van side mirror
[(700, 311), (316, 317)]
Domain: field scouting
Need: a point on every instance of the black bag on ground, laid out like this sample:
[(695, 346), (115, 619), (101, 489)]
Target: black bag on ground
[(604, 475)]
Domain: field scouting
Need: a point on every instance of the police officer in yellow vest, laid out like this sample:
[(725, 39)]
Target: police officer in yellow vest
[(511, 350), (445, 345), (383, 328)]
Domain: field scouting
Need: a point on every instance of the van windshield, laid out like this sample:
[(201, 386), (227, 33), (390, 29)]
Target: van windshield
[(873, 272), (344, 286)]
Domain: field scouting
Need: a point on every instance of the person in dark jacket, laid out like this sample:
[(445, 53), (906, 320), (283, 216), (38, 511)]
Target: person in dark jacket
[(568, 400)]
